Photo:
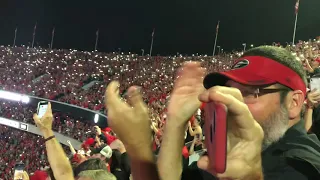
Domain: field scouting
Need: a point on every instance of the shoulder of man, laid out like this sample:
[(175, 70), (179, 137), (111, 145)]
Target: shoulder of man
[(304, 156), (295, 156)]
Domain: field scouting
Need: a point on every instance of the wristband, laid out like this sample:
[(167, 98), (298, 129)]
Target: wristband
[(49, 138)]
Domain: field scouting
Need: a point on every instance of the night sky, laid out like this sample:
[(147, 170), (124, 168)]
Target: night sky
[(185, 26)]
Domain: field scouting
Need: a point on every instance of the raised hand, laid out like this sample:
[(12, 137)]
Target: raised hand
[(130, 121), (184, 98), (313, 98), (44, 123)]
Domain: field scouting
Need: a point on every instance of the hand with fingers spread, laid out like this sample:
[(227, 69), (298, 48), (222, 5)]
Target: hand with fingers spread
[(184, 100), (245, 135), (183, 104), (44, 123), (130, 121), (313, 98)]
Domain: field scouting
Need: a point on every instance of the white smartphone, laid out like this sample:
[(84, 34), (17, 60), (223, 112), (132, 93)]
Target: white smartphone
[(18, 171), (42, 108), (315, 83)]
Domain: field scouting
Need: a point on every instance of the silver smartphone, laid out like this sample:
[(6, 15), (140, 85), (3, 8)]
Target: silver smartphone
[(42, 108)]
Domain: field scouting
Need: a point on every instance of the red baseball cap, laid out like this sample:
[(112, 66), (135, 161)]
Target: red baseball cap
[(257, 71)]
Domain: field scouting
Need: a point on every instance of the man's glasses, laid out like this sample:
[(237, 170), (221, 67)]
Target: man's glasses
[(251, 96)]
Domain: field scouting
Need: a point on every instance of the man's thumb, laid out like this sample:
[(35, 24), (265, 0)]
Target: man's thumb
[(36, 118)]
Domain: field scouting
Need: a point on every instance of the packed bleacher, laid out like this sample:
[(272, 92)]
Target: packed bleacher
[(80, 78), (20, 146)]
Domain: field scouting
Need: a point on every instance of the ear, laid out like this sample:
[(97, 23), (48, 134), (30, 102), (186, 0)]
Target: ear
[(295, 100)]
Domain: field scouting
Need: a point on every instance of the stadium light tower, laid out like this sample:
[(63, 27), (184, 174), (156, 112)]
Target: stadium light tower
[(244, 47)]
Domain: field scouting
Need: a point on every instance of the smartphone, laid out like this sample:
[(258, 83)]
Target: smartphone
[(42, 108), (315, 83), (216, 136), (18, 171)]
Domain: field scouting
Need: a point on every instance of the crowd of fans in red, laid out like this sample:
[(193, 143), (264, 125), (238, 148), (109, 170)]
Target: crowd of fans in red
[(21, 146), (62, 75)]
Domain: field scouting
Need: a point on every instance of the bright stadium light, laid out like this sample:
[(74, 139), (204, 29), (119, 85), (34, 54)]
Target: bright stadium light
[(14, 96), (96, 118), (25, 99)]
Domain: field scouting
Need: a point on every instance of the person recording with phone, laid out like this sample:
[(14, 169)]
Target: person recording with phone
[(58, 160), (274, 95), (262, 97)]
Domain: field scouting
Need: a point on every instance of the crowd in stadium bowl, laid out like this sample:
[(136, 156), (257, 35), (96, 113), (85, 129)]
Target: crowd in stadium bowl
[(80, 78)]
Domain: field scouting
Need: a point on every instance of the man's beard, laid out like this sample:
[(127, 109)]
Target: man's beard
[(275, 127)]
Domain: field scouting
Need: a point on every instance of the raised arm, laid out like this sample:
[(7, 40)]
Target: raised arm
[(73, 151), (183, 104), (58, 160), (132, 125)]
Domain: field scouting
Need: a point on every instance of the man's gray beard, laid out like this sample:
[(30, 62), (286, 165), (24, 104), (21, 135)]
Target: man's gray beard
[(275, 127)]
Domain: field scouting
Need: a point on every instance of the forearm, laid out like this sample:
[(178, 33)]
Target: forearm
[(308, 119), (143, 165), (73, 151), (191, 132), (169, 164), (309, 68), (58, 160)]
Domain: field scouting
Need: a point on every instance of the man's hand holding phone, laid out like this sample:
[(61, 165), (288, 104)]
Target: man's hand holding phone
[(313, 98), (45, 122), (244, 134)]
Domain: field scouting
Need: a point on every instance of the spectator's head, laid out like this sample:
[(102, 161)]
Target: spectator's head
[(273, 85), (90, 164), (103, 153), (96, 175)]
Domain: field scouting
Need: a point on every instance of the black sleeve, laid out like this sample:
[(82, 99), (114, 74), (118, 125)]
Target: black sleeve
[(125, 163), (297, 170), (288, 173), (193, 172), (103, 138)]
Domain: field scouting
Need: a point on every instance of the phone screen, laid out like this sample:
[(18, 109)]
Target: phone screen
[(42, 108), (18, 171), (315, 83)]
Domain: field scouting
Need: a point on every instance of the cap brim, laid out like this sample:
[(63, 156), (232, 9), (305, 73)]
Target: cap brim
[(220, 79)]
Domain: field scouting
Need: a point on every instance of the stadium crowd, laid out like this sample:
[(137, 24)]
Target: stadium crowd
[(80, 78)]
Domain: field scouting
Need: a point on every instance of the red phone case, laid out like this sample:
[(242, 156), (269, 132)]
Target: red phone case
[(216, 136)]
